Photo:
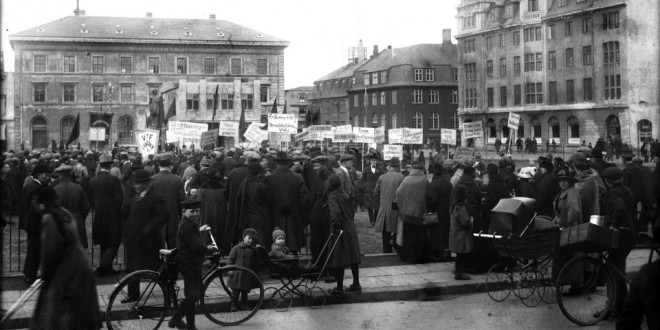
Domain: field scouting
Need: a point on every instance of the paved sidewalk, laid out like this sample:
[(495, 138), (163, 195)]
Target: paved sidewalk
[(393, 281)]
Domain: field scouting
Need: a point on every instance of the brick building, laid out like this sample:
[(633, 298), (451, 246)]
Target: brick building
[(575, 70), (106, 68)]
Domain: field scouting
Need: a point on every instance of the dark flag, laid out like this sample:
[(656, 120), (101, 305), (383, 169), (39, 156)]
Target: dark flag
[(264, 118), (171, 111), (284, 111), (316, 118), (161, 114), (215, 102), (241, 126), (75, 132), (274, 110), (308, 118)]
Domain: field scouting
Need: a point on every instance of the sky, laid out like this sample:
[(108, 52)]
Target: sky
[(319, 32)]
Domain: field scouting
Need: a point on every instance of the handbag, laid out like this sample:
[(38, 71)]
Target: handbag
[(430, 218)]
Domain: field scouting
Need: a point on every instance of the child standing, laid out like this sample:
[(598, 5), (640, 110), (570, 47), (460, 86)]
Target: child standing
[(244, 254), (460, 232)]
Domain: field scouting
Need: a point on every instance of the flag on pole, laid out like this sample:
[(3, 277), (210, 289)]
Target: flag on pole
[(75, 131), (171, 110), (308, 118), (284, 111), (215, 102), (159, 117), (274, 110), (241, 125)]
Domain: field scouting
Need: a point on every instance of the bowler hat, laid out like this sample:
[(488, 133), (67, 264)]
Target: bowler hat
[(394, 162), (191, 203), (140, 176), (40, 168), (282, 156)]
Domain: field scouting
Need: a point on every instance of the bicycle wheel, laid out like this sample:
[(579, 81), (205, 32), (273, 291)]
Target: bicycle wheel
[(280, 299), (138, 301), (232, 295), (534, 281), (585, 291), (498, 282)]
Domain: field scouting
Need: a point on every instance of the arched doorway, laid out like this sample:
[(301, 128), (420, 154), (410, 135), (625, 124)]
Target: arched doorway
[(504, 129), (573, 128), (553, 129), (99, 135), (125, 135), (491, 130), (535, 123), (613, 126), (644, 130), (39, 133)]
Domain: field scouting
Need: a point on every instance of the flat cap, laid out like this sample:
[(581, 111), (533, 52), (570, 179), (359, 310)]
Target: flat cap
[(612, 173), (346, 157), (319, 159), (191, 203), (251, 155), (63, 168)]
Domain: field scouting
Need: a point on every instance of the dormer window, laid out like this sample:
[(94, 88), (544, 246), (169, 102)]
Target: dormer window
[(188, 33), (154, 33), (118, 29), (40, 30), (259, 35), (83, 28)]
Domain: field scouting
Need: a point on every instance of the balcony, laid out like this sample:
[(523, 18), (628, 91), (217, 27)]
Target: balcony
[(532, 16)]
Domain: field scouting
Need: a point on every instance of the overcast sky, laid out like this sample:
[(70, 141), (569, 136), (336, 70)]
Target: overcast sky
[(319, 32)]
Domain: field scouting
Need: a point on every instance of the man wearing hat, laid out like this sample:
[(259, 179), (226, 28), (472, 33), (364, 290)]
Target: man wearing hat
[(547, 189), (199, 178), (290, 200), (30, 221), (590, 186), (106, 197), (388, 211), (234, 178), (370, 176), (170, 187), (344, 172), (73, 198)]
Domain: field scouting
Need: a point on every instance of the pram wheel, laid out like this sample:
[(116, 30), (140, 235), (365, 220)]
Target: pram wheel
[(548, 293), (533, 280), (314, 296), (498, 282), (279, 299), (524, 282)]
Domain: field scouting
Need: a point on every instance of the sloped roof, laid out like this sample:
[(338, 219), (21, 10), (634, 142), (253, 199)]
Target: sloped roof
[(139, 30), (344, 72), (420, 55), (495, 18)]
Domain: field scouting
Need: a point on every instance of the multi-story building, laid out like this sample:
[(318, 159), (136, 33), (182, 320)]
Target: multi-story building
[(7, 107), (414, 86), (575, 70), (297, 102), (106, 68)]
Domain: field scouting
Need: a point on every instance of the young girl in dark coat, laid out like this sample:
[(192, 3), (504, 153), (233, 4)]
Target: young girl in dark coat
[(244, 254)]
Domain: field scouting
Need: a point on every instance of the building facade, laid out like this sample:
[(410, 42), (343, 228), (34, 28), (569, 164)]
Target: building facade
[(575, 70), (414, 87), (297, 102), (7, 108), (106, 70)]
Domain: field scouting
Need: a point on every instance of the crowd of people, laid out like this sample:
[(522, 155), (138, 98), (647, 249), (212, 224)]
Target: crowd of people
[(423, 210)]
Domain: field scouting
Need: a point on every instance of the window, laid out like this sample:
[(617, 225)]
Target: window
[(553, 127), (552, 92), (236, 66), (533, 62), (417, 96), (588, 89), (532, 5), (489, 68), (97, 92), (419, 75), (562, 3), (126, 93), (125, 130), (454, 97), (503, 96), (209, 100), (374, 119), (489, 43), (374, 78), (383, 121), (613, 87), (262, 66), (69, 64), (227, 101), (516, 37), (434, 96), (551, 31), (586, 55), (209, 66), (469, 46), (367, 79), (125, 65), (365, 100), (374, 98), (539, 62), (503, 67), (430, 75), (611, 52), (154, 65), (490, 96), (517, 95), (302, 98), (263, 93), (434, 122), (611, 21), (536, 127), (97, 64), (516, 65), (552, 60), (470, 71), (502, 41), (586, 25), (570, 91), (469, 22), (382, 98), (383, 77), (247, 101), (394, 120), (39, 92), (69, 92), (394, 100), (504, 128), (356, 100), (455, 74), (568, 28), (491, 129), (532, 34), (192, 101), (569, 58), (573, 127), (67, 124), (417, 120), (181, 65), (471, 98), (39, 63), (533, 93)]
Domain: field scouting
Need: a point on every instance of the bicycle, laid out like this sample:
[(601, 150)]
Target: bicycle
[(586, 287), (153, 294)]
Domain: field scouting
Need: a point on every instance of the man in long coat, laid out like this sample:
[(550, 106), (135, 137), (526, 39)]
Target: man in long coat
[(30, 220), (106, 198), (213, 210), (290, 201), (370, 176), (170, 187), (547, 190), (72, 197), (234, 179), (385, 193), (343, 172)]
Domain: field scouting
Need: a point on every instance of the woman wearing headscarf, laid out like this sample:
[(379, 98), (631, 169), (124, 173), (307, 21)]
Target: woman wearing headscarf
[(411, 198)]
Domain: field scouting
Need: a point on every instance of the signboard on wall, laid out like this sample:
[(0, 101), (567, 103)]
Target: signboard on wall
[(97, 133)]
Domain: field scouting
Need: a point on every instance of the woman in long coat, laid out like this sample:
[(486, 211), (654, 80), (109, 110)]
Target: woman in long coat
[(568, 213), (254, 201), (438, 196), (411, 198), (68, 297), (347, 250), (213, 211), (385, 193)]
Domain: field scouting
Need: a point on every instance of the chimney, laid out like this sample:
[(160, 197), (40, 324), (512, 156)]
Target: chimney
[(446, 36), (212, 17), (81, 12), (389, 47), (150, 14), (356, 60), (375, 50)]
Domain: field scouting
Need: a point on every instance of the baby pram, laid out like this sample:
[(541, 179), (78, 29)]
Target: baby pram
[(301, 282)]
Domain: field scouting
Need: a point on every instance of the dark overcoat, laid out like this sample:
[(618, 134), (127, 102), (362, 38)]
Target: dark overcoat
[(495, 191), (246, 256), (213, 212), (29, 219), (290, 201), (460, 233), (385, 193), (342, 213), (144, 231), (438, 194), (547, 190), (370, 178), (234, 179), (170, 187), (473, 203), (107, 197), (72, 197), (255, 200)]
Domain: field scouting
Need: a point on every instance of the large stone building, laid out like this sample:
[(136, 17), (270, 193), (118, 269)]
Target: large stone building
[(575, 70), (7, 107), (106, 68), (297, 102), (414, 86)]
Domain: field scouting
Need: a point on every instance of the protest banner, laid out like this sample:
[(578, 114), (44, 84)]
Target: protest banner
[(303, 136), (391, 150), (463, 151), (343, 129), (379, 134), (448, 136), (228, 128), (282, 123), (395, 135), (363, 134), (472, 130), (188, 133), (97, 133), (514, 121), (412, 136), (147, 142), (343, 137), (317, 135), (170, 137), (208, 138)]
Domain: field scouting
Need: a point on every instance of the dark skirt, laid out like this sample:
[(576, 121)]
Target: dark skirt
[(421, 242)]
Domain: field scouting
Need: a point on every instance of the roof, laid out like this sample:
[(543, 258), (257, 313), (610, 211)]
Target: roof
[(146, 30), (300, 89), (344, 72), (496, 20), (420, 55)]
